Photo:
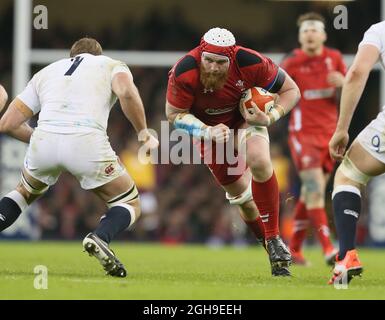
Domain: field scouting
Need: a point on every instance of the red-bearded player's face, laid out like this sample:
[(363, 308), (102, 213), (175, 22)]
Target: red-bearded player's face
[(213, 70)]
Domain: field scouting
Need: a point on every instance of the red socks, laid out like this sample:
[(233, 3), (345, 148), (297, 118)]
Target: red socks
[(301, 224), (319, 221), (257, 227), (266, 197)]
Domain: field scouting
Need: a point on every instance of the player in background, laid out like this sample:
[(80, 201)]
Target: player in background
[(74, 97), (203, 94), (3, 97), (319, 73), (364, 159)]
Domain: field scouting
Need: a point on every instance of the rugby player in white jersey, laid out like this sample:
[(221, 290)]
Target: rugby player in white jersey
[(74, 97), (365, 158)]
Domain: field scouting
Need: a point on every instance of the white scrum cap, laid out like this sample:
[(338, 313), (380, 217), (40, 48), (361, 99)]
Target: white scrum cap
[(219, 37)]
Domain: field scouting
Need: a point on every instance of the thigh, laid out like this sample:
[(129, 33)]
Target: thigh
[(41, 162), (31, 188), (366, 161), (257, 149), (306, 151), (91, 160), (225, 169), (120, 190), (238, 186), (368, 150), (114, 188)]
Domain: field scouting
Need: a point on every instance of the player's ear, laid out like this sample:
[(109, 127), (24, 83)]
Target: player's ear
[(325, 36), (299, 38)]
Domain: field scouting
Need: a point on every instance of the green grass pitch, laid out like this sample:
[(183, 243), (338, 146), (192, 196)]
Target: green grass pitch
[(176, 272)]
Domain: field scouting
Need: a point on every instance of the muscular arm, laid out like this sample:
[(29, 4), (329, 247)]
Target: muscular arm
[(354, 85), (172, 112), (352, 89), (13, 122), (184, 120), (287, 98), (289, 94), (3, 97), (126, 91)]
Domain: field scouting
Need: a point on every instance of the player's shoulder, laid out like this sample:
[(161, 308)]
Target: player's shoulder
[(50, 69), (377, 27), (187, 64), (293, 55), (187, 68), (100, 59), (333, 52), (246, 57)]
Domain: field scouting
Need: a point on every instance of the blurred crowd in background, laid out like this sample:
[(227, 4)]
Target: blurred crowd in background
[(181, 203)]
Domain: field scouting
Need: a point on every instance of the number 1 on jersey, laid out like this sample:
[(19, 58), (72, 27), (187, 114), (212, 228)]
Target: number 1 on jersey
[(74, 65)]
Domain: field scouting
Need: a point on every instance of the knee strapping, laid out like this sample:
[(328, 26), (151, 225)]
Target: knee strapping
[(31, 189), (254, 131), (124, 198), (350, 171), (244, 197)]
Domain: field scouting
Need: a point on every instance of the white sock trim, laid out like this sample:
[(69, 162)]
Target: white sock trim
[(346, 188), (18, 198), (130, 209)]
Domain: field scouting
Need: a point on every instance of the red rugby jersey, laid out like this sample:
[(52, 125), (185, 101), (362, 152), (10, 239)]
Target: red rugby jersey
[(316, 111), (248, 69)]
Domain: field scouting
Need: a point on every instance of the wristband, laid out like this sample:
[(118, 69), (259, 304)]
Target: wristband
[(276, 113), (191, 124)]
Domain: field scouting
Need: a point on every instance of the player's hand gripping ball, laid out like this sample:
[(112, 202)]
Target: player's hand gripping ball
[(263, 99)]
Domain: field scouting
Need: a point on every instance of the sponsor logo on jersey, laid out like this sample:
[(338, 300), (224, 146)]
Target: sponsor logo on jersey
[(318, 93), (215, 111), (240, 84)]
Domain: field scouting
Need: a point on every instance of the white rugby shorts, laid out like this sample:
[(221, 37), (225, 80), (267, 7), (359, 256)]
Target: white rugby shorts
[(87, 156), (372, 139)]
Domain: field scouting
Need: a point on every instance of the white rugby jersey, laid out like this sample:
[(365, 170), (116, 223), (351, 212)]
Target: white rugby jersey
[(375, 36), (73, 95)]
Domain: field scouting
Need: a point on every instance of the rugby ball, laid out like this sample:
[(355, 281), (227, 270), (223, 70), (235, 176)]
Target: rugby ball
[(262, 98)]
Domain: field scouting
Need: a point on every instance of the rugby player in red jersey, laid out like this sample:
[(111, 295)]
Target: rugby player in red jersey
[(203, 94), (318, 71)]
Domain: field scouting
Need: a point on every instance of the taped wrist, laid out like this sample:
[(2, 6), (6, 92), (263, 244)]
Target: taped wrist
[(192, 125), (276, 113)]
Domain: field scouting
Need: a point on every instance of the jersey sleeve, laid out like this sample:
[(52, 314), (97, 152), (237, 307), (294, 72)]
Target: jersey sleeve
[(178, 93), (341, 66), (180, 88), (119, 67), (260, 70), (30, 97), (373, 36), (270, 76), (287, 65)]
